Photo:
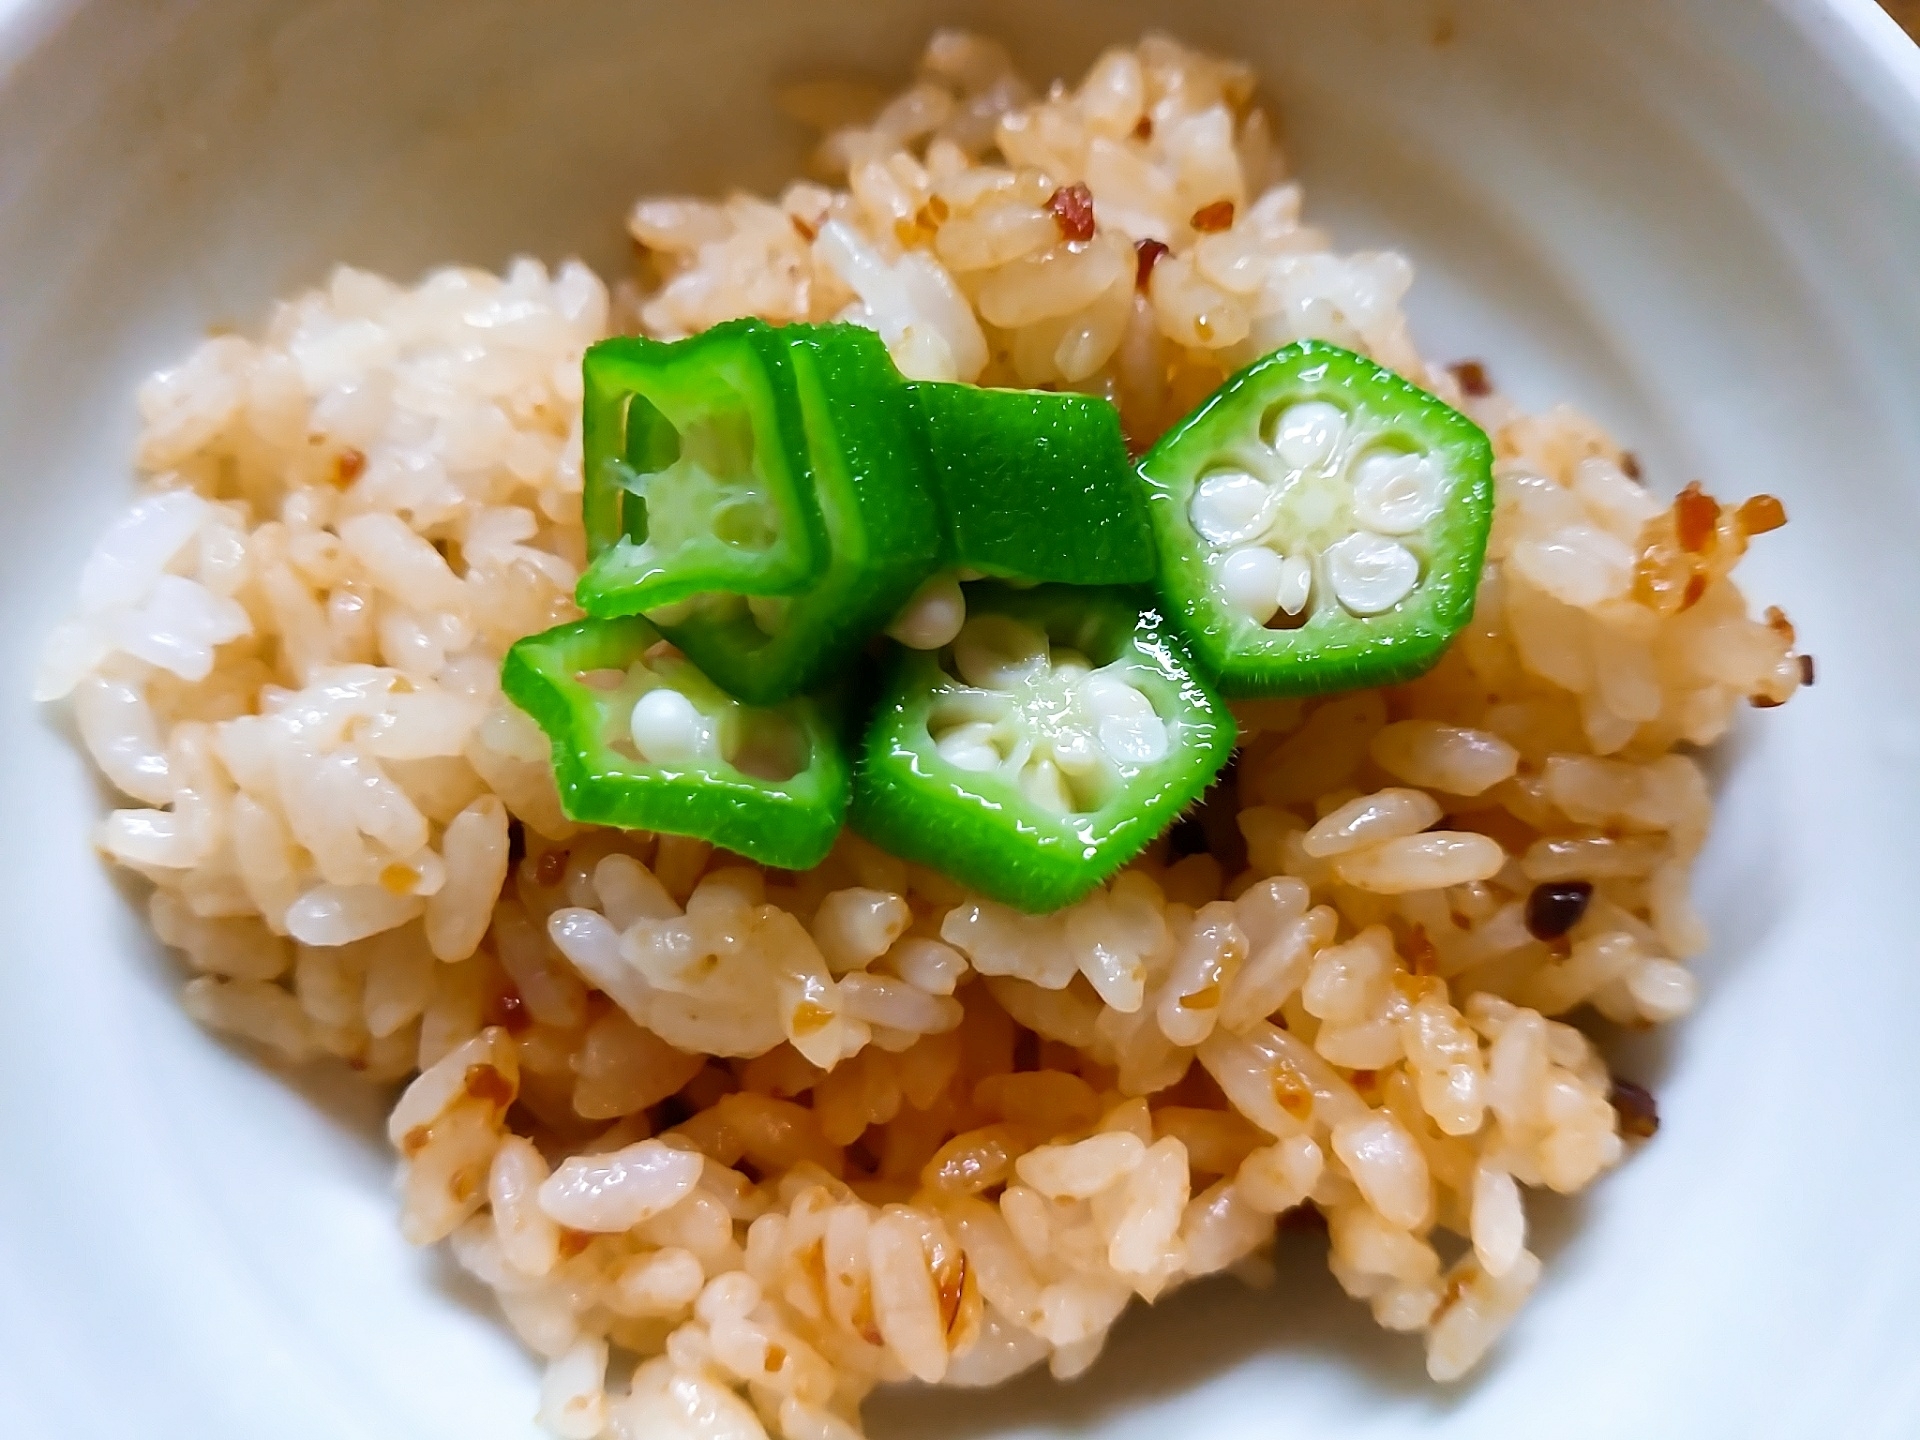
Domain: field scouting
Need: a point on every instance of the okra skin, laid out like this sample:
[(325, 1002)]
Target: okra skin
[(882, 524), (979, 828), (786, 822), (650, 410), (1333, 650), (1035, 485)]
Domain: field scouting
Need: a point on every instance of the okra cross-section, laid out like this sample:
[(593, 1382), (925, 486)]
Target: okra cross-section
[(695, 471), (1035, 485), (878, 514), (643, 741), (1060, 732), (1321, 524)]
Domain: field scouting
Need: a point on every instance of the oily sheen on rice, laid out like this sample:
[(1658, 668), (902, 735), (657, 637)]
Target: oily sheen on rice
[(778, 1138)]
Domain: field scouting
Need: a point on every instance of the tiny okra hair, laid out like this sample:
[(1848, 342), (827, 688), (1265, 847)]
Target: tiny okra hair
[(1321, 523), (1057, 735), (642, 740)]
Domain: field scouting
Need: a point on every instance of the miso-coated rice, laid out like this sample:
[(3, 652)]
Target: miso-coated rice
[(768, 1139)]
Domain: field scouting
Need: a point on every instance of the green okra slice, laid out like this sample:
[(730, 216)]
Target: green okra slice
[(1035, 485), (880, 519), (1059, 733), (1321, 524), (695, 471), (643, 741)]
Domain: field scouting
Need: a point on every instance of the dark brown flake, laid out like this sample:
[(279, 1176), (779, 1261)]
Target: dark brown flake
[(1147, 254), (1072, 210), (1696, 514), (1639, 1112), (1555, 908), (484, 1083), (1472, 376), (1212, 217)]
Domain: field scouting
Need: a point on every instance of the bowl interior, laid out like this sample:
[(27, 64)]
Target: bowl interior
[(1694, 218)]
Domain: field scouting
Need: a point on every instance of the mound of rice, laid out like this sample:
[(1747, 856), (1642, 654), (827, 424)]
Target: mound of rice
[(780, 1137)]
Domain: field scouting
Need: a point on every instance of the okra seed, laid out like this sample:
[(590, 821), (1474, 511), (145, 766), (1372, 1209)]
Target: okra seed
[(970, 746), (1369, 573), (1395, 493), (1251, 577), (1042, 783), (995, 652), (933, 616), (1070, 666), (1129, 729), (668, 730), (1231, 507), (1296, 583), (1306, 435)]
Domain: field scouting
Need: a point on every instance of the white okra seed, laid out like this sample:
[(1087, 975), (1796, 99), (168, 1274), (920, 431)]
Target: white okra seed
[(1369, 573), (1395, 493), (667, 729), (1231, 507), (933, 616), (1296, 583), (1307, 434), (1250, 577)]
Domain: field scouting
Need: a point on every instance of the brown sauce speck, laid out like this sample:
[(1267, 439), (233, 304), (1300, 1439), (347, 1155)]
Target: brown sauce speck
[(1213, 217), (1472, 376), (809, 1018), (509, 1011), (776, 1356), (1696, 587), (801, 228), (1779, 624), (466, 1183), (952, 1282), (1143, 128), (1806, 669), (1639, 1112), (1072, 209), (1630, 465), (347, 467), (1761, 514), (1556, 907), (1291, 1092), (1696, 514), (1422, 958), (1147, 254), (486, 1084), (572, 1242), (550, 868), (415, 1140)]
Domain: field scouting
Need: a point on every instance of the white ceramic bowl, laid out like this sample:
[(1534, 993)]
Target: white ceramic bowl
[(1699, 218)]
